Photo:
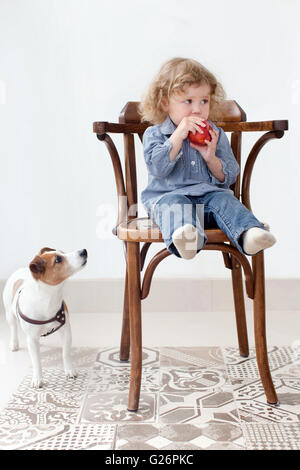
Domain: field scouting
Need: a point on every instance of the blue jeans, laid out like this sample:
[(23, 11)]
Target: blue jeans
[(217, 209)]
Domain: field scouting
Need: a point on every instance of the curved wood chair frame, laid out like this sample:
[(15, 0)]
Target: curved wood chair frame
[(132, 231)]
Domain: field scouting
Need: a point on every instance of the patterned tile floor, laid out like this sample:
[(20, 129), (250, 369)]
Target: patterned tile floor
[(191, 398)]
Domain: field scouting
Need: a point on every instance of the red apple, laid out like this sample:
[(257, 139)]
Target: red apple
[(198, 138)]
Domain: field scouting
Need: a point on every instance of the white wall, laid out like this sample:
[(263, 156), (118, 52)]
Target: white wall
[(67, 63)]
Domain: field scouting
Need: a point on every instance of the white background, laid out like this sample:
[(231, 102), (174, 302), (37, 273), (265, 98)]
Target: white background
[(67, 63)]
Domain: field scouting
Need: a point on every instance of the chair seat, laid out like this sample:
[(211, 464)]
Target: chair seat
[(144, 229)]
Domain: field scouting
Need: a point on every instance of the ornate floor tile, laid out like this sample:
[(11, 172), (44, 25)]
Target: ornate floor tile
[(82, 437), (40, 408), (187, 357), (57, 437), (253, 407), (290, 370), (192, 378), (232, 355), (179, 436), (106, 378), (198, 407), (112, 408), (57, 402), (241, 367), (54, 380), (81, 357), (272, 436), (248, 389), (21, 435), (110, 357), (192, 398)]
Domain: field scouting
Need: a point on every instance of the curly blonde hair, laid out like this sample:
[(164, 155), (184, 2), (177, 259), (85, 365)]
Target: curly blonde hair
[(174, 76)]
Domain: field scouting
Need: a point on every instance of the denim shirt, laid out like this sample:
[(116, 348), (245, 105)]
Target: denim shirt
[(188, 173)]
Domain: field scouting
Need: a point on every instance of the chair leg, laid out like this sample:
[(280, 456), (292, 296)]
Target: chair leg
[(239, 305), (260, 328), (125, 336), (134, 293)]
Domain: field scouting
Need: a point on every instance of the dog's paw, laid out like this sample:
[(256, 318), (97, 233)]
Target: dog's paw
[(14, 346), (36, 382), (71, 374), (267, 226)]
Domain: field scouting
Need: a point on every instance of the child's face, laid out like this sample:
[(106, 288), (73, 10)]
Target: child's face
[(194, 101)]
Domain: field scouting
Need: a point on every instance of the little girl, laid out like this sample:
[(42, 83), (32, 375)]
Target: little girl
[(188, 185)]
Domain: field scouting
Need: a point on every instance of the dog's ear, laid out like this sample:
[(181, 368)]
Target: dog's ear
[(46, 249), (37, 266)]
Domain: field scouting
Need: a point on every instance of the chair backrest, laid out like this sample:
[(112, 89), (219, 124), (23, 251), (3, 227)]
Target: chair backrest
[(226, 111)]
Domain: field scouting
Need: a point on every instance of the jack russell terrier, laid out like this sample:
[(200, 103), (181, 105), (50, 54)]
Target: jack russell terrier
[(34, 295)]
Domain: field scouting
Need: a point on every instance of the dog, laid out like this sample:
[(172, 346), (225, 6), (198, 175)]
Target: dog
[(34, 297)]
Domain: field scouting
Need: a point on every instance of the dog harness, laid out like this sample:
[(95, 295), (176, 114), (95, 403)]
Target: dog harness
[(60, 317)]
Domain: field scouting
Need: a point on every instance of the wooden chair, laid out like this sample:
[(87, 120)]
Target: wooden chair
[(133, 231)]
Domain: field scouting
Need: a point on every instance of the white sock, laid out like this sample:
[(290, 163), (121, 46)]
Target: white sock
[(185, 240), (257, 239), (267, 226)]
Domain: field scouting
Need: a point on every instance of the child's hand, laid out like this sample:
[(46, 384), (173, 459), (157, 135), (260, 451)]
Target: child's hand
[(189, 124), (208, 151)]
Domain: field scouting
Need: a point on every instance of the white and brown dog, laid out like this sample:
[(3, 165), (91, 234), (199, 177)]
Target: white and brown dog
[(34, 295)]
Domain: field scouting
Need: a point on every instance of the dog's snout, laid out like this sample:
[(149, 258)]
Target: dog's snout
[(83, 253)]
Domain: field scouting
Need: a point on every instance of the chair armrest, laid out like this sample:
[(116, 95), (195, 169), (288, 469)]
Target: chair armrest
[(251, 159), (253, 126), (102, 128)]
